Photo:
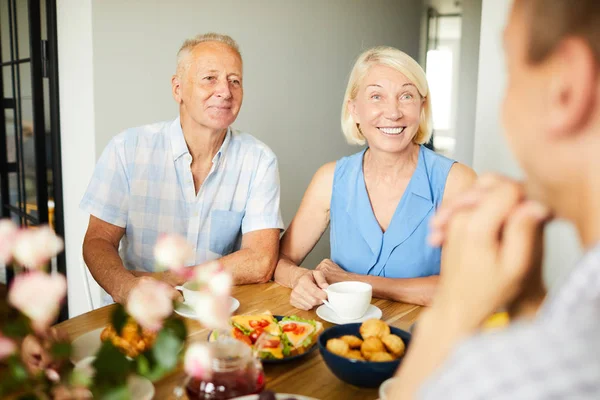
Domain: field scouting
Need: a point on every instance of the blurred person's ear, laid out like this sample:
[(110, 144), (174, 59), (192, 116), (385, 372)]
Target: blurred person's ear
[(573, 88)]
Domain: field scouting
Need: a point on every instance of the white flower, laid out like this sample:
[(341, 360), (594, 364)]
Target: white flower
[(7, 347), (38, 296), (212, 311), (197, 361), (34, 247), (150, 303), (8, 232), (172, 251)]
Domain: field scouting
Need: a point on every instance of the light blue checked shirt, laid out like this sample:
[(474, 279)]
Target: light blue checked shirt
[(143, 183)]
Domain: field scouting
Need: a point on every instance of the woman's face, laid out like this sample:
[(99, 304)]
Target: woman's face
[(387, 109)]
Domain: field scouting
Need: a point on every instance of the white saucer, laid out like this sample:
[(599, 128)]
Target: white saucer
[(185, 310), (326, 313)]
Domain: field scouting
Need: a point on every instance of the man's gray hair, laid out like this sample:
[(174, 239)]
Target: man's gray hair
[(190, 43)]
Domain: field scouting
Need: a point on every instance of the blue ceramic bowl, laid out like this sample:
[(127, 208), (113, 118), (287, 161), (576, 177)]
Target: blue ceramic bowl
[(356, 372)]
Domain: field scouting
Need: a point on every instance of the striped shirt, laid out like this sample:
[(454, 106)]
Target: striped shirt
[(143, 183)]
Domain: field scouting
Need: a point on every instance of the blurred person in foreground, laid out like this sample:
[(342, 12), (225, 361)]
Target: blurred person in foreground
[(492, 236)]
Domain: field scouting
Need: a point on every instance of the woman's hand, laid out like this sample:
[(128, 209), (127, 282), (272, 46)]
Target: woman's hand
[(36, 354), (333, 272), (308, 291)]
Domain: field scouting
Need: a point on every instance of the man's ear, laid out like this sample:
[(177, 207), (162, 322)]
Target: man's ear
[(176, 88), (573, 87)]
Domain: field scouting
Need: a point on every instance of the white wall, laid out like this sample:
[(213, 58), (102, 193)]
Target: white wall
[(491, 152), (75, 66), (467, 89), (297, 58)]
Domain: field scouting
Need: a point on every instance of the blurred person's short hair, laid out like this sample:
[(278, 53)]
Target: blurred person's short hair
[(552, 21)]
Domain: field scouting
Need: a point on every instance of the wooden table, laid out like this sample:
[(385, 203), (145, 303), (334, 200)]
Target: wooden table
[(308, 376)]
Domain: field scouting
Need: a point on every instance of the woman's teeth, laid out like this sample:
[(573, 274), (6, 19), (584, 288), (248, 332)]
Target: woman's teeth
[(392, 131)]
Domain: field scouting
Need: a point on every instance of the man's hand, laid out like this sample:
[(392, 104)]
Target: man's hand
[(492, 246), (333, 272), (308, 291), (125, 289)]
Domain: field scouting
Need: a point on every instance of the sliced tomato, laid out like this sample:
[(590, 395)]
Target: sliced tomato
[(290, 327), (300, 330), (271, 343), (254, 323), (239, 335), (263, 323), (256, 334)]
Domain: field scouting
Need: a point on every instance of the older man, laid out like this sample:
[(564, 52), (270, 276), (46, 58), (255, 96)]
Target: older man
[(194, 176), (492, 238)]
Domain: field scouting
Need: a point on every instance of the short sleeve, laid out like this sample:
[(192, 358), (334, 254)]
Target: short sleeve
[(262, 208), (107, 195)]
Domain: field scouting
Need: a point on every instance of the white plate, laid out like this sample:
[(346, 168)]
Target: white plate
[(278, 396), (326, 313), (86, 345), (185, 310), (140, 388)]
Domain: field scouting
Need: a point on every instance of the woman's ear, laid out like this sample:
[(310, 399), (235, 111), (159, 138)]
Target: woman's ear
[(353, 112)]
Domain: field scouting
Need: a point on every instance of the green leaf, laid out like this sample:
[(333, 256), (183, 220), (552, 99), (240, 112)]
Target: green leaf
[(17, 369), (61, 350), (28, 396), (78, 378), (18, 327), (143, 365), (177, 326), (111, 365), (166, 349), (120, 392), (119, 318)]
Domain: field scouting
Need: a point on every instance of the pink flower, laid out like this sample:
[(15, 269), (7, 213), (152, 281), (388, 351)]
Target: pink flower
[(34, 247), (150, 302), (197, 361), (212, 311), (7, 347), (220, 284), (8, 232), (213, 276), (38, 296), (172, 252)]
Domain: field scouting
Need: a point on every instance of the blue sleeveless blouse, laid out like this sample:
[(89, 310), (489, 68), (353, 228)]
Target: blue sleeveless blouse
[(358, 244)]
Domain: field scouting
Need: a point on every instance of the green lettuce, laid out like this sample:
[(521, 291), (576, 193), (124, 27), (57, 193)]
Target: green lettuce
[(298, 319), (244, 330)]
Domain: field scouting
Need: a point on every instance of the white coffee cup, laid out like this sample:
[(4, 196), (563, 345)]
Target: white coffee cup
[(189, 295), (384, 388), (349, 300)]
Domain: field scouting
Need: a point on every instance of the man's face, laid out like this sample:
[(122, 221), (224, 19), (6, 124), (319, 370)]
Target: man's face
[(209, 88)]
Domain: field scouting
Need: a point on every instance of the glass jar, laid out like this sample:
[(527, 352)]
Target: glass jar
[(235, 372)]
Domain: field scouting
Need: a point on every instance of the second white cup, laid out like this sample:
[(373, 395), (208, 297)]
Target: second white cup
[(349, 300)]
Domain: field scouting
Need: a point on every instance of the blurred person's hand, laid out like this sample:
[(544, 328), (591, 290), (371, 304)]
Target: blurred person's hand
[(492, 249)]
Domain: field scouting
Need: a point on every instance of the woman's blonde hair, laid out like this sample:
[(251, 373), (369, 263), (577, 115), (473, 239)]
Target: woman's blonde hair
[(401, 62)]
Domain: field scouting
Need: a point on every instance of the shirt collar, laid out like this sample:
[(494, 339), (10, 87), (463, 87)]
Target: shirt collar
[(179, 146)]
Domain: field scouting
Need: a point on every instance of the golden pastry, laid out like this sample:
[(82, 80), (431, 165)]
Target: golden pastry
[(381, 356), (374, 328), (371, 345), (394, 344), (355, 355), (338, 346), (353, 341)]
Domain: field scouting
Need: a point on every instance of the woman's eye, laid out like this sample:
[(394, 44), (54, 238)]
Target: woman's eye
[(375, 97), (235, 81), (407, 96), (209, 78)]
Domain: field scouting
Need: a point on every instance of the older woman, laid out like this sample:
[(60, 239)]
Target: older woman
[(379, 200)]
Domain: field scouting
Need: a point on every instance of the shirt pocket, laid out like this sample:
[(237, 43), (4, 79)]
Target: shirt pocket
[(225, 227)]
